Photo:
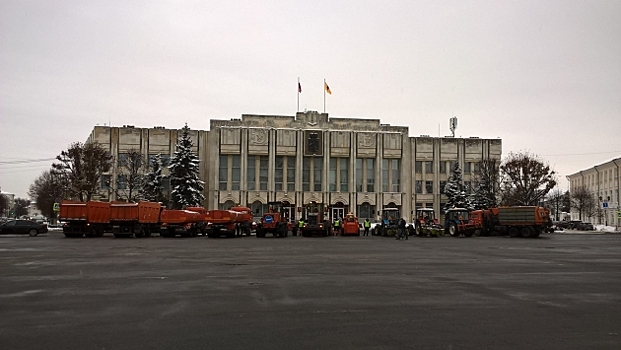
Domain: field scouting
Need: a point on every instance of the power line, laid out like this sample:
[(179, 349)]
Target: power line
[(26, 161)]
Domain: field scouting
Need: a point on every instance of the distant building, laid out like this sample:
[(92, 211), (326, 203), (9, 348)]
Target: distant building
[(357, 165), (11, 203), (603, 182)]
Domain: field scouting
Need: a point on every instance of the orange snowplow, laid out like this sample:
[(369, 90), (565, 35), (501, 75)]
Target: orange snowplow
[(351, 227)]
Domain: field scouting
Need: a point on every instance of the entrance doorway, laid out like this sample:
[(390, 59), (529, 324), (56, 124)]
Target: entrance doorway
[(288, 211), (338, 213)]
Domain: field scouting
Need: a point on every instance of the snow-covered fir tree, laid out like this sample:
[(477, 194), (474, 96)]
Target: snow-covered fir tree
[(152, 185), (483, 197), (454, 191), (187, 188)]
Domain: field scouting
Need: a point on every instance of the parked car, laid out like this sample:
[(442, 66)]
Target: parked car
[(22, 226), (585, 226)]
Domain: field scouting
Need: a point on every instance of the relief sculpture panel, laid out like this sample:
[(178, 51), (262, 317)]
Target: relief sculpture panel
[(366, 140), (258, 137)]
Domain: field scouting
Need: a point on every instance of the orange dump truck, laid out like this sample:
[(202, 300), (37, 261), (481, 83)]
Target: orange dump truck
[(244, 224), (138, 219), (84, 218), (350, 225), (222, 222), (526, 221), (186, 223)]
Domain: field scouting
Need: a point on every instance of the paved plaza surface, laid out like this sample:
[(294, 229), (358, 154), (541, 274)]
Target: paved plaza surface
[(555, 292)]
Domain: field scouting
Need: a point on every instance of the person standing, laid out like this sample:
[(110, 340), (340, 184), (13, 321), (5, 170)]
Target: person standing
[(337, 226), (367, 225), (300, 226), (402, 232)]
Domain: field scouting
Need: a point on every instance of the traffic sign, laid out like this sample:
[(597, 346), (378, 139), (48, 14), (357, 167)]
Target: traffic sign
[(56, 207)]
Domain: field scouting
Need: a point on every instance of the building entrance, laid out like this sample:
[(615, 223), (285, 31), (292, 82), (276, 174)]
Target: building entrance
[(338, 213)]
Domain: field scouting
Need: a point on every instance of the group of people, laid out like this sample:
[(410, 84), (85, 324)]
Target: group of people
[(337, 226)]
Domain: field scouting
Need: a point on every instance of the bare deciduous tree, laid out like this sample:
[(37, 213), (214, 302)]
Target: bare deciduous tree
[(4, 204), (583, 201), (129, 176), (82, 166), (20, 207), (525, 179), (555, 199), (46, 190)]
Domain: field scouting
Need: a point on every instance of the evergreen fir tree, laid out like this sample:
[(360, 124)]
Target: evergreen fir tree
[(187, 188), (454, 190), (483, 197), (152, 186)]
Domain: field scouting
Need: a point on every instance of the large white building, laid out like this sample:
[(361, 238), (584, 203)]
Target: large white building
[(603, 182), (357, 165)]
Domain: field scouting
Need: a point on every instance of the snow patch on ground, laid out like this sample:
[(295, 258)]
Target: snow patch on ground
[(604, 228)]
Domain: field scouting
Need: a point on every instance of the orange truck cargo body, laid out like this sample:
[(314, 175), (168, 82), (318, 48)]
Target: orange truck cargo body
[(91, 211), (90, 218), (245, 214), (173, 216), (141, 212), (217, 216)]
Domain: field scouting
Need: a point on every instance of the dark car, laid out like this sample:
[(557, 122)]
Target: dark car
[(585, 226), (22, 226)]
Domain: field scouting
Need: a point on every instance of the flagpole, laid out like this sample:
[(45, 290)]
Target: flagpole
[(298, 87), (324, 96)]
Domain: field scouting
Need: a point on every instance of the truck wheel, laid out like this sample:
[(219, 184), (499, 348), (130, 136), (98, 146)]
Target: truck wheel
[(514, 232), (527, 232), (477, 232), (453, 230)]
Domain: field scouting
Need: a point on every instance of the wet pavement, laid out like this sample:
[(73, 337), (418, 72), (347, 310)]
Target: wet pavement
[(559, 291)]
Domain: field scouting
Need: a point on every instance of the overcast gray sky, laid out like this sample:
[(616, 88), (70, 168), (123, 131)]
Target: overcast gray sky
[(545, 76)]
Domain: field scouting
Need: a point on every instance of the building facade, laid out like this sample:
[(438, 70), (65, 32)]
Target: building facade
[(348, 164), (603, 182)]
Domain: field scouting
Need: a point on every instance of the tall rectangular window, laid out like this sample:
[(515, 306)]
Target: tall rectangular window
[(279, 173), (418, 188), (306, 174), (223, 172), (467, 168), (105, 182), (344, 174), (251, 173), (236, 172), (263, 171), (385, 172), (317, 173), (291, 174), (429, 186), (332, 174), (370, 175), (429, 167), (442, 185), (418, 167), (359, 174), (395, 179), (442, 167), (122, 159), (122, 182)]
